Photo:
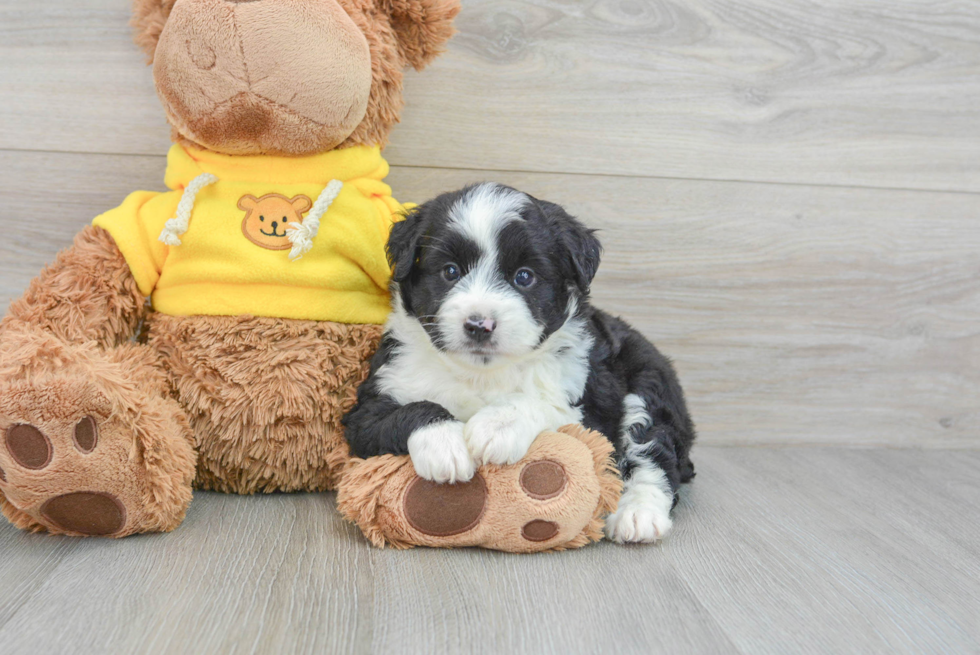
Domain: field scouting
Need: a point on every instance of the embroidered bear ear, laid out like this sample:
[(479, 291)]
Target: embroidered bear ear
[(301, 204), (422, 27), (249, 202), (149, 17)]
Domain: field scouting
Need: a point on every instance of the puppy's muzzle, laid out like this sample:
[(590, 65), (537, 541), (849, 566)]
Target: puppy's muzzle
[(479, 328)]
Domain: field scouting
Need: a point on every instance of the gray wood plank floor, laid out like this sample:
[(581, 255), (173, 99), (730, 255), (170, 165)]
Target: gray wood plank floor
[(775, 550), (788, 193)]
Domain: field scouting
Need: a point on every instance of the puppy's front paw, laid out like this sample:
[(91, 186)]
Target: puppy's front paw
[(439, 453), (498, 435)]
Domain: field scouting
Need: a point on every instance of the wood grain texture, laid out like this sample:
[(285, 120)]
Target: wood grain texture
[(794, 314), (264, 574), (775, 550), (847, 92)]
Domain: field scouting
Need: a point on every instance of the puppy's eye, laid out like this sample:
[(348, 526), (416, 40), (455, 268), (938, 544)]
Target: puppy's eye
[(524, 277), (262, 218), (285, 220), (451, 272)]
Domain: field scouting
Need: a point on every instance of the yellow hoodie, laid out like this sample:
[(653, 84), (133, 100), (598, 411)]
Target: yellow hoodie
[(234, 256)]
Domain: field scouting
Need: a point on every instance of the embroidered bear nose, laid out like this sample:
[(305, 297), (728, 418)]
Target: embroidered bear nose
[(479, 328), (275, 224)]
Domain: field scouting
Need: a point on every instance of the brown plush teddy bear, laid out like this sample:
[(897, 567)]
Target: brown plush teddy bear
[(266, 269)]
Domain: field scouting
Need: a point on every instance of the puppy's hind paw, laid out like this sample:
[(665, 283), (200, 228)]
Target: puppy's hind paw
[(439, 453), (643, 516), (637, 525)]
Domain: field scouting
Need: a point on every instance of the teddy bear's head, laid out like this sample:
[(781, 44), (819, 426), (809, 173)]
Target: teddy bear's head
[(288, 77)]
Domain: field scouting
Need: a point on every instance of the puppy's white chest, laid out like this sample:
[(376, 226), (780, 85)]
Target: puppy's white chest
[(411, 377)]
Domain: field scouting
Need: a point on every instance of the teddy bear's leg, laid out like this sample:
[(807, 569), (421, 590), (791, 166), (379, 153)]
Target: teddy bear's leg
[(555, 498), (90, 443)]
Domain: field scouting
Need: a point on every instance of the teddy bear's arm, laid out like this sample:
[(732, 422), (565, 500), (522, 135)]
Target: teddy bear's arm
[(87, 294)]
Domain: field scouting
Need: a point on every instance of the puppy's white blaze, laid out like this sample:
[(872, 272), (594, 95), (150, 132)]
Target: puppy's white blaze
[(643, 514), (484, 211), (439, 453)]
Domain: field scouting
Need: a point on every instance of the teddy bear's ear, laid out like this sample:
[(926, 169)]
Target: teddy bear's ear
[(247, 203), (301, 204), (422, 27), (149, 17)]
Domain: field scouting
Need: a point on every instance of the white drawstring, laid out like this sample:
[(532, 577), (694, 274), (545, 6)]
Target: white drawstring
[(177, 225), (301, 235)]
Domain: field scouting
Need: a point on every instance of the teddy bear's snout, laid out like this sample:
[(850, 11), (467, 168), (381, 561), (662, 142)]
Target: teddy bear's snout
[(291, 77)]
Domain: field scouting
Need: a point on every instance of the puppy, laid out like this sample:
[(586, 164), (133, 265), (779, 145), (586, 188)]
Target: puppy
[(492, 340)]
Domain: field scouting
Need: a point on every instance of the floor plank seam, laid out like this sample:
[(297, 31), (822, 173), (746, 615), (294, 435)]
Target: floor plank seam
[(521, 171)]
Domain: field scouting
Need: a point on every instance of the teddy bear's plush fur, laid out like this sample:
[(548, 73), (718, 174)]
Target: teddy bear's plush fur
[(110, 412)]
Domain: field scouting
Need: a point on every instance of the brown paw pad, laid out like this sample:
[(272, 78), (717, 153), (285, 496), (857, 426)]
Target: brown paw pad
[(543, 479), (84, 512), (538, 530), (442, 510), (86, 435), (28, 446)]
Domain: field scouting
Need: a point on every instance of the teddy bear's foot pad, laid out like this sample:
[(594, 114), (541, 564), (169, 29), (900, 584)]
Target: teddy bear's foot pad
[(70, 464), (552, 499), (443, 510), (84, 512)]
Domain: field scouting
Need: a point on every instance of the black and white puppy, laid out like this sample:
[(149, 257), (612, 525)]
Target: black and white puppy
[(492, 340)]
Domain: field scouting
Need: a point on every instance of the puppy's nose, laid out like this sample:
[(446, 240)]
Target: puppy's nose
[(275, 224), (479, 327)]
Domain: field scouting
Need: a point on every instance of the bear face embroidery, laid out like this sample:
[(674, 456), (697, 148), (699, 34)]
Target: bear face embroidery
[(267, 218)]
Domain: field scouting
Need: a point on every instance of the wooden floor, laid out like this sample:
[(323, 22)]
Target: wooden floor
[(789, 196), (775, 550)]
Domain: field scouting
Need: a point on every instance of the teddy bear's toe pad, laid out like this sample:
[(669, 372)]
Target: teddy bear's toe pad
[(540, 530), (442, 510), (543, 479), (28, 446), (87, 513)]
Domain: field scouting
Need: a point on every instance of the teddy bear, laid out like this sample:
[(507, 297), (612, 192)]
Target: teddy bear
[(213, 336)]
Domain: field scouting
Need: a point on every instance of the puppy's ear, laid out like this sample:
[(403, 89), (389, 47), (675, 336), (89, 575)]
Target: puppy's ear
[(403, 243), (579, 247), (422, 27), (149, 17)]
